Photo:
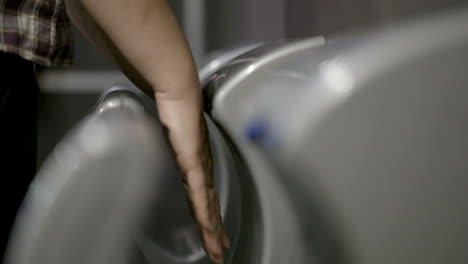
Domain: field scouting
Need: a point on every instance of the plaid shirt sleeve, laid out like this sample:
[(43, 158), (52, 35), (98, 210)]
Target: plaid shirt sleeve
[(37, 30)]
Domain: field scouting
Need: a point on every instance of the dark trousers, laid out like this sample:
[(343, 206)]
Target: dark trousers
[(18, 136)]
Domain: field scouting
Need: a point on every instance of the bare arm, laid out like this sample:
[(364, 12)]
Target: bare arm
[(143, 37)]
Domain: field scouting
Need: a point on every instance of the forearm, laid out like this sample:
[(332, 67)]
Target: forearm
[(147, 34), (144, 39), (94, 33)]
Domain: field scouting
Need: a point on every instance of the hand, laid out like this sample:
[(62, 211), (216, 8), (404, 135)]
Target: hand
[(188, 134), (204, 202)]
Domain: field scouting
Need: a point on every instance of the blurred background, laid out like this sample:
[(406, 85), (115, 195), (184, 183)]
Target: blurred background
[(212, 26)]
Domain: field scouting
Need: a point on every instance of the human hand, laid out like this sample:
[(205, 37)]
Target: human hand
[(204, 203), (188, 135)]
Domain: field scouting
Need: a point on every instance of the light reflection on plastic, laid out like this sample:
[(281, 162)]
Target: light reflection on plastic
[(111, 103), (214, 64), (100, 141), (337, 76), (250, 69)]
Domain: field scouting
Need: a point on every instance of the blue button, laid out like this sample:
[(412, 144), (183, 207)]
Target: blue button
[(256, 131)]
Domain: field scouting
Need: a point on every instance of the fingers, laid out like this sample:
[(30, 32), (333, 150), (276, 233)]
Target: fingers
[(213, 243), (212, 246), (204, 203), (209, 219)]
